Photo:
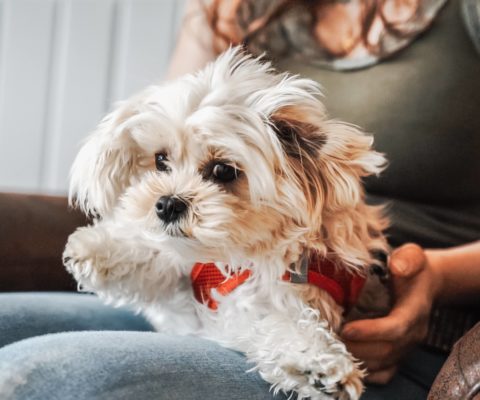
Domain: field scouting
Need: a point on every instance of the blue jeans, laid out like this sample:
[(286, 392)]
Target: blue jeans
[(70, 346)]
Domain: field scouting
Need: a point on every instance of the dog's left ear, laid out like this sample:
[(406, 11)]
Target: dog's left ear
[(302, 139), (329, 158)]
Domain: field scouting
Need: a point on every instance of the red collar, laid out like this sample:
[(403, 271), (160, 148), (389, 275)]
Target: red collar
[(342, 285)]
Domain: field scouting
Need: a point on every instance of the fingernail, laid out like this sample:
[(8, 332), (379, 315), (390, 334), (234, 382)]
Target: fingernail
[(400, 266), (349, 333)]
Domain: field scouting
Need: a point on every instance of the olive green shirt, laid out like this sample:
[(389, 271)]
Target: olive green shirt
[(423, 107)]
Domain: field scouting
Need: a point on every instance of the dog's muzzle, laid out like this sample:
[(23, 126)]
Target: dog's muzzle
[(170, 209)]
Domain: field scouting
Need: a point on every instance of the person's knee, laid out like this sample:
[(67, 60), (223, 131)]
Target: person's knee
[(25, 315), (70, 365), (113, 365)]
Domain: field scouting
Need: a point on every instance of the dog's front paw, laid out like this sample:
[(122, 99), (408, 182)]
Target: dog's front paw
[(86, 252), (317, 374), (338, 379)]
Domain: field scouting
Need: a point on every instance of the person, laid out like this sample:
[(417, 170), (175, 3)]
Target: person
[(402, 83)]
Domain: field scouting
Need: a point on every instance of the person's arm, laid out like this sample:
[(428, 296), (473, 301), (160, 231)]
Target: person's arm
[(458, 268), (420, 278), (194, 48)]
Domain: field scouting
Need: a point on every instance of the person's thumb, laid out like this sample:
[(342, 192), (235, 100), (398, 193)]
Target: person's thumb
[(407, 261)]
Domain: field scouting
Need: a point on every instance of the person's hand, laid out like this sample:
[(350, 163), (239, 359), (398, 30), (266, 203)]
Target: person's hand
[(381, 343)]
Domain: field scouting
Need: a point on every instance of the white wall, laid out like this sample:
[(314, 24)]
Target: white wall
[(62, 64)]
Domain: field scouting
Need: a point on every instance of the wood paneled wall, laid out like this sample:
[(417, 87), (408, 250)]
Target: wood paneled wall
[(62, 65)]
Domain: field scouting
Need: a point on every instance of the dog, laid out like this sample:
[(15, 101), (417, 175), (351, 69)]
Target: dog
[(227, 205)]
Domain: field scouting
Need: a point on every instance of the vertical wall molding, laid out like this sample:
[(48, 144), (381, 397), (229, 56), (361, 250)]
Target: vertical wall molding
[(53, 77), (62, 65), (26, 33), (119, 46), (3, 40), (56, 91)]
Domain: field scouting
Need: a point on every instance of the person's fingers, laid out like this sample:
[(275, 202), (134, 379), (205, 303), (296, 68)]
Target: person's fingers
[(370, 350), (406, 261), (390, 328), (382, 377), (374, 366), (374, 356)]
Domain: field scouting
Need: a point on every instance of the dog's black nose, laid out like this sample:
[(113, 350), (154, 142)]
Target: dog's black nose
[(170, 208)]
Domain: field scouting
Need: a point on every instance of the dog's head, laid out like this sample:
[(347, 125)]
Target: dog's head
[(236, 160)]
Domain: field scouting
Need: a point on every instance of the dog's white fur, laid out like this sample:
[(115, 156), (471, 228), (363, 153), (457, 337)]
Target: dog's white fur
[(299, 190)]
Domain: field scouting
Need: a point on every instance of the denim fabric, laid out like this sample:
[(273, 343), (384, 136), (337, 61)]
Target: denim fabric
[(105, 353), (24, 315), (125, 365)]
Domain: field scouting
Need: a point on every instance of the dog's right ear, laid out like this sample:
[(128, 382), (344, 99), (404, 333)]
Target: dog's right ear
[(104, 165)]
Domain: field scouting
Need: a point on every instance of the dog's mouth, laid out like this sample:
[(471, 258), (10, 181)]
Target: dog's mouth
[(174, 230)]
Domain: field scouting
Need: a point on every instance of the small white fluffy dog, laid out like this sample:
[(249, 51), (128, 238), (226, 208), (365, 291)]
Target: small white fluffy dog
[(236, 165)]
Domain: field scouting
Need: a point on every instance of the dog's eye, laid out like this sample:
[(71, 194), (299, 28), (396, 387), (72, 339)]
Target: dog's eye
[(160, 164), (224, 172)]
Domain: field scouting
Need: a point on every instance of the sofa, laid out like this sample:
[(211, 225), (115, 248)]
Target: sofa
[(33, 233)]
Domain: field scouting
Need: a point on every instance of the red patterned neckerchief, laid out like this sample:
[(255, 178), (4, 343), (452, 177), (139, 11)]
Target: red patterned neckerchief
[(342, 285)]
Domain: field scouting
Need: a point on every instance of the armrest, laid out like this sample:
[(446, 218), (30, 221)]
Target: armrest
[(33, 232), (459, 377)]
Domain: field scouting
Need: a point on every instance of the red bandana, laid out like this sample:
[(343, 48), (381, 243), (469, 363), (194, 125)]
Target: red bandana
[(342, 285)]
